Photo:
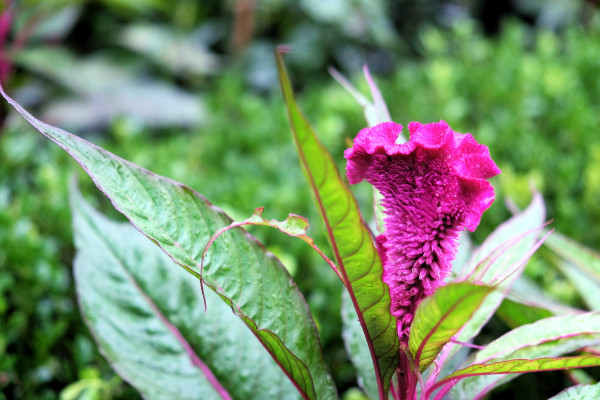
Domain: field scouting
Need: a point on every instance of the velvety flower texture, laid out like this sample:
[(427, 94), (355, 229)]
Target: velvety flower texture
[(433, 186)]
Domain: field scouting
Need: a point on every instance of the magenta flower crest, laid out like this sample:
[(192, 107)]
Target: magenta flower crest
[(433, 187)]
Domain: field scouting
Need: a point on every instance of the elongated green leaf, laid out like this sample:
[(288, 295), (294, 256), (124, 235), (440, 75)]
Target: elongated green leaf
[(440, 316), (579, 392), (549, 337), (350, 240), (238, 268), (520, 366), (515, 314), (581, 265), (587, 285), (525, 291), (148, 318), (585, 258), (375, 112), (546, 337)]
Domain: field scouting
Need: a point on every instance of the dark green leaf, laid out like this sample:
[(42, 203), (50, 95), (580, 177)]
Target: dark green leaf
[(515, 314)]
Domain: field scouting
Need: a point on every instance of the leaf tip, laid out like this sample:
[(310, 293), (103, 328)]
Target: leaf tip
[(283, 48)]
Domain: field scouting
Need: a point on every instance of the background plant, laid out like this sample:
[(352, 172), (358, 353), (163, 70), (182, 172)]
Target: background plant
[(36, 230)]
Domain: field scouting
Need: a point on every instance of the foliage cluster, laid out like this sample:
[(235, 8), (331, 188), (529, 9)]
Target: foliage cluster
[(529, 96), (146, 319)]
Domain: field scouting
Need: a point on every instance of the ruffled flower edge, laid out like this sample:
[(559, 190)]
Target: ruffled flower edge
[(470, 161)]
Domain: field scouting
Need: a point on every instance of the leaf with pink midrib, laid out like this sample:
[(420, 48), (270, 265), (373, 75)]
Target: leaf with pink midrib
[(549, 337), (250, 280), (148, 318), (518, 367), (349, 237), (440, 316)]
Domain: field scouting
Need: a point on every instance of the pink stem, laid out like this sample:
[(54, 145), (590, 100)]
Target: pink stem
[(5, 24)]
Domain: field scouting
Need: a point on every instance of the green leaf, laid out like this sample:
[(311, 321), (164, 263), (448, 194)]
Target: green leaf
[(350, 240), (585, 258), (375, 112), (440, 316), (518, 367), (581, 265), (238, 269), (545, 338), (104, 90), (579, 392), (549, 337), (586, 285), (525, 291), (148, 318), (500, 261), (515, 314)]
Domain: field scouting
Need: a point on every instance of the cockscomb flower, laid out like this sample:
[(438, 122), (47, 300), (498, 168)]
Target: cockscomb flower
[(433, 187)]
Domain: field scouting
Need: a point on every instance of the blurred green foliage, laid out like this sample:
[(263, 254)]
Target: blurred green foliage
[(531, 95)]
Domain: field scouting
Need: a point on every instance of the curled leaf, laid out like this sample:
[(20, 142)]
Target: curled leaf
[(294, 226)]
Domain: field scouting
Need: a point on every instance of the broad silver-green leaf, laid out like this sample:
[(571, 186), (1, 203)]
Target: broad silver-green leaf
[(499, 258), (103, 91), (510, 367), (581, 265), (149, 320), (172, 49), (585, 258), (549, 337), (526, 291), (545, 338), (579, 392), (181, 221), (587, 286), (358, 349)]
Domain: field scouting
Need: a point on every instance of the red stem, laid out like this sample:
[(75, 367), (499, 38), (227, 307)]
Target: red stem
[(407, 378)]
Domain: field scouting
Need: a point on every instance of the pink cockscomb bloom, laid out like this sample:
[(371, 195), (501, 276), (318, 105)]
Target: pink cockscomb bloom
[(433, 187)]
